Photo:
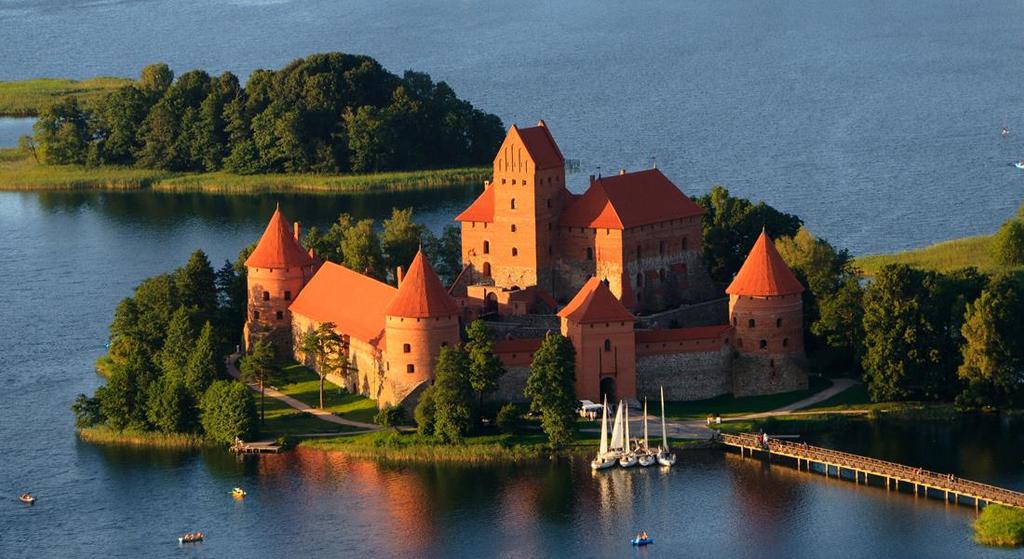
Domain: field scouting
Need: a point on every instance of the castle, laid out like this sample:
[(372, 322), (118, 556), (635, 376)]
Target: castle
[(538, 258)]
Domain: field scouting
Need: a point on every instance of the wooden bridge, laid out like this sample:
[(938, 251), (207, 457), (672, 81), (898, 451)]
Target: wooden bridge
[(833, 464)]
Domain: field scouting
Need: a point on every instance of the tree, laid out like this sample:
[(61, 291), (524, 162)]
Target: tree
[(122, 400), (87, 411), (841, 323), (452, 394), (203, 365), (179, 343), (360, 249), (324, 345), (424, 413), (401, 238), (550, 387), (119, 116), (155, 79), (227, 411), (484, 366), (1008, 243), (372, 139), (508, 418), (197, 286), (445, 252), (259, 367), (63, 132), (993, 352), (154, 301), (169, 406), (390, 416)]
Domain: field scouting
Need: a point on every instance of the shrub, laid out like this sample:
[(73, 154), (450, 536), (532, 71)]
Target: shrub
[(1008, 244), (390, 416), (228, 411), (508, 418), (1001, 526), (424, 413)]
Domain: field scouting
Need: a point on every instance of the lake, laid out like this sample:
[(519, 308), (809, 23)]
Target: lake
[(69, 257), (877, 122)]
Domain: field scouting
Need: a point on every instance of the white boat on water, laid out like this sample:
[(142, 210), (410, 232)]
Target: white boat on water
[(644, 455), (604, 459), (665, 458), (1019, 164), (628, 458)]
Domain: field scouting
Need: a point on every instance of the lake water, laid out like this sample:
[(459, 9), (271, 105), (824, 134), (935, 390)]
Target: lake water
[(67, 258), (877, 122), (13, 128)]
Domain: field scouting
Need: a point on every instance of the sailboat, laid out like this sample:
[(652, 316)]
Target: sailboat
[(604, 458), (665, 458), (628, 458), (644, 455)]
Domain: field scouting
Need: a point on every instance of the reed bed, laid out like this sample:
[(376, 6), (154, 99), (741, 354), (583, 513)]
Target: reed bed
[(107, 436)]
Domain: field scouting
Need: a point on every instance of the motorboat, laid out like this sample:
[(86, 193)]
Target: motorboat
[(191, 538), (238, 493), (604, 459), (628, 458), (644, 455), (27, 498), (665, 458)]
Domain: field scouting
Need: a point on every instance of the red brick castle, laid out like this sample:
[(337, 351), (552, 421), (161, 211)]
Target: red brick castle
[(605, 268)]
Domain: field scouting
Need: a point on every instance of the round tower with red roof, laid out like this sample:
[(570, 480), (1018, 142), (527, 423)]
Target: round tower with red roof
[(766, 312), (421, 319), (277, 270)]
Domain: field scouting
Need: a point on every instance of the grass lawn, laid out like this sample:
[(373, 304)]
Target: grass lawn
[(20, 171), (303, 384), (942, 257), (729, 405), (28, 97)]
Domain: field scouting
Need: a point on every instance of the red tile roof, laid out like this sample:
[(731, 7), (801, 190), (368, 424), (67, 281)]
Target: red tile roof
[(353, 302), (277, 247), (629, 200), (540, 145), (681, 334), (421, 293), (765, 273), (518, 345), (482, 209), (595, 303)]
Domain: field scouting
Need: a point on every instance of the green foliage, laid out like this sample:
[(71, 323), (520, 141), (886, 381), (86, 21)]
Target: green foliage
[(445, 252), (122, 400), (425, 412), (1008, 244), (390, 416), (204, 364), (178, 344), (361, 250), (551, 388), (324, 346), (401, 238), (258, 367), (993, 352), (87, 411), (998, 525), (484, 366), (170, 407), (327, 113), (30, 97), (840, 325), (508, 418), (731, 225), (196, 285), (228, 411), (452, 394)]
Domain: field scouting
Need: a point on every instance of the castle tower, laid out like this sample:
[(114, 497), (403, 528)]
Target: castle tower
[(421, 319), (277, 270), (601, 330), (766, 311), (508, 232)]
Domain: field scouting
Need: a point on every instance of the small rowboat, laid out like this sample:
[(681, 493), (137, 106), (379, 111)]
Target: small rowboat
[(641, 541), (190, 538), (238, 493), (27, 499), (1019, 164)]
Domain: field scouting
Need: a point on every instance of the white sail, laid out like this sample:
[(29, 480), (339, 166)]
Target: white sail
[(604, 429), (616, 443), (664, 436)]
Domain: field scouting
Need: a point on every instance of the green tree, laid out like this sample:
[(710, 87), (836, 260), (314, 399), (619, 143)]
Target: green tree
[(63, 132), (360, 249), (550, 387), (131, 354), (179, 343), (1008, 244), (485, 369), (841, 323), (424, 413), (445, 252), (401, 238), (228, 411), (122, 400), (259, 367), (372, 139), (155, 80), (324, 346), (390, 416), (154, 301), (993, 352), (203, 365), (197, 286), (169, 406), (87, 411), (508, 418), (120, 115), (452, 394)]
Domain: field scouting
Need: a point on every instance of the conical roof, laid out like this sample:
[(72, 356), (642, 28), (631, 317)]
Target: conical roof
[(764, 273), (277, 247), (421, 294), (595, 303)]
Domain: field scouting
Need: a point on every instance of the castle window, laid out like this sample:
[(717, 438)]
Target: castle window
[(785, 342), (513, 203), (607, 345), (763, 344), (515, 251), (502, 181), (513, 227), (750, 323), (549, 199), (686, 244), (279, 315), (406, 348), (255, 315), (590, 253), (487, 269), (410, 368), (487, 247), (778, 323), (287, 295), (661, 247), (266, 295)]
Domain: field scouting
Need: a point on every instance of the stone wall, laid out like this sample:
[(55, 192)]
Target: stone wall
[(511, 385), (708, 313), (685, 376), (755, 375)]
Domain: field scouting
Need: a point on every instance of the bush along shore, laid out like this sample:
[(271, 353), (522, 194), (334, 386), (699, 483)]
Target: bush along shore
[(1000, 526)]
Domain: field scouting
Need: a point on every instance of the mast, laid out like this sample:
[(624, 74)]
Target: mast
[(616, 442), (664, 436), (645, 423), (625, 421), (604, 429)]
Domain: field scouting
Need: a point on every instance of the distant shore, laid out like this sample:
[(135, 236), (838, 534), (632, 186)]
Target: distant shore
[(20, 172), (23, 98)]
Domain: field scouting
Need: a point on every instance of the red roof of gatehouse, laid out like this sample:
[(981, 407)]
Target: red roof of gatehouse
[(595, 303)]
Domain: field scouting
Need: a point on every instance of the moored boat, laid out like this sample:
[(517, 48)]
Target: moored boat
[(628, 458), (191, 538), (27, 498), (644, 456), (665, 458), (1019, 164), (604, 458)]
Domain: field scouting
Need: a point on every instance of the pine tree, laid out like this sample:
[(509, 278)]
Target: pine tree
[(203, 366), (196, 284), (178, 344), (169, 406), (484, 366), (258, 368), (401, 238), (452, 394), (551, 388)]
